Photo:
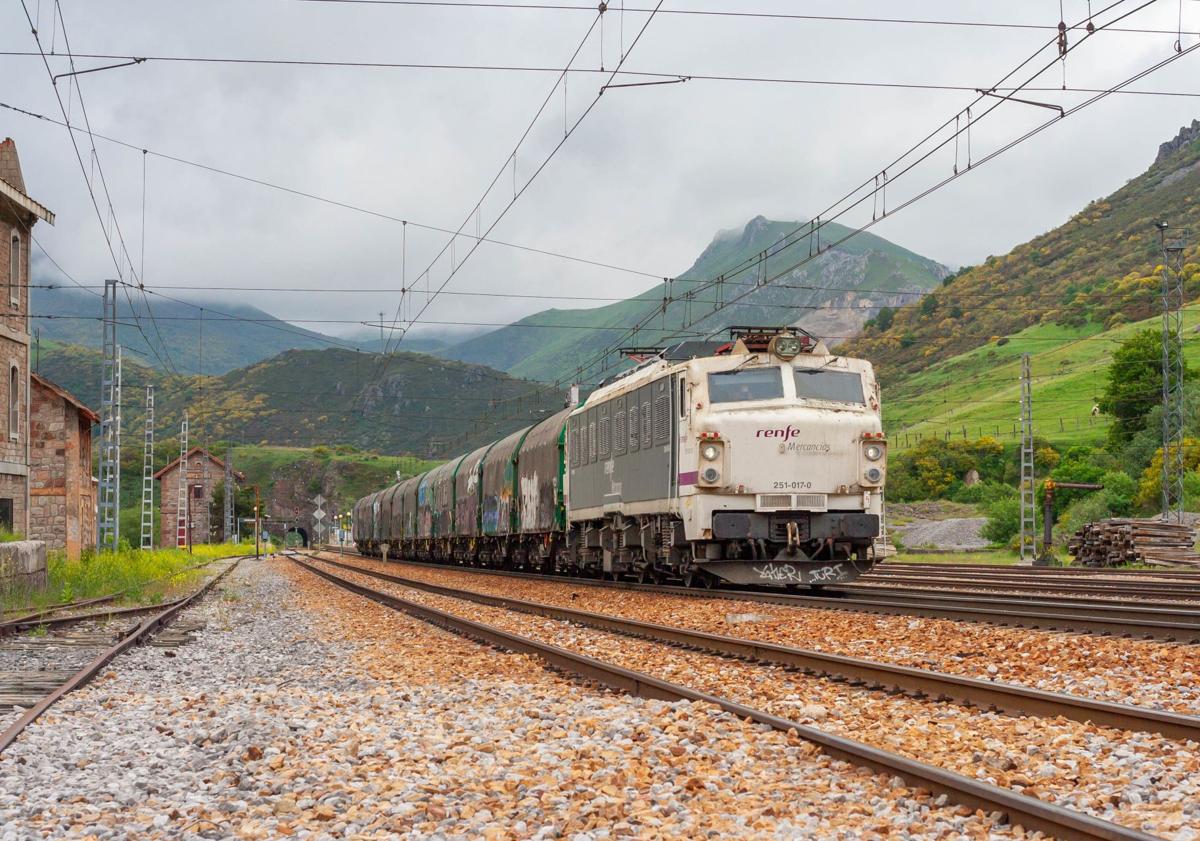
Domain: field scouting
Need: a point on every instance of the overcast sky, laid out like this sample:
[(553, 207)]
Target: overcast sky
[(645, 181)]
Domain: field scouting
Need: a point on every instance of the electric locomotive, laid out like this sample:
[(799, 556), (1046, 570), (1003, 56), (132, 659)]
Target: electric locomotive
[(757, 460)]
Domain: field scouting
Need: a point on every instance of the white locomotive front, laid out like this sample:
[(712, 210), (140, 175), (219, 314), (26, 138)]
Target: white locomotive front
[(760, 461)]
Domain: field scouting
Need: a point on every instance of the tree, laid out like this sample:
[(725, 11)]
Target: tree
[(1134, 385), (883, 319)]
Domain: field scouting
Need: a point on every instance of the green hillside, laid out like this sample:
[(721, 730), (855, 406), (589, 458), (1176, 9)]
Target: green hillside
[(880, 268), (416, 404), (1098, 270), (977, 393)]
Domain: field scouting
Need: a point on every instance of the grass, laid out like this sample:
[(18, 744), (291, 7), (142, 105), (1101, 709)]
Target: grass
[(989, 556), (980, 389), (144, 577)]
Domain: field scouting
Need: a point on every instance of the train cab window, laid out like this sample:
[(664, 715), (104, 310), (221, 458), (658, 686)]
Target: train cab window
[(835, 386), (745, 384)]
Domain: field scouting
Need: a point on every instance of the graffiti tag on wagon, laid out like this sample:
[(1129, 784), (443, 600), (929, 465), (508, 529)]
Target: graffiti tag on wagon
[(788, 574)]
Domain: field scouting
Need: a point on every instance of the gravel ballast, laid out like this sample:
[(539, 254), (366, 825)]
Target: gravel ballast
[(303, 711), (1158, 675), (1137, 779)]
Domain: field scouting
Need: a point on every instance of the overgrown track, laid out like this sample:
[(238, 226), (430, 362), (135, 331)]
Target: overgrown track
[(1009, 698), (139, 634), (1030, 812), (1171, 622), (45, 618)]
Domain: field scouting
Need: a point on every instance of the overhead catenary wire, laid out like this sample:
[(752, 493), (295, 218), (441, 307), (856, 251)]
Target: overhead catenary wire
[(602, 358), (511, 156), (655, 76), (833, 212), (324, 199), (537, 171), (56, 12), (729, 13)]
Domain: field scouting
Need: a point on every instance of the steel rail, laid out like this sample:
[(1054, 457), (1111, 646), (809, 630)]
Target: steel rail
[(1183, 610), (37, 620), (1006, 697), (16, 627), (1030, 812), (1082, 571), (1050, 615), (56, 608), (1074, 584), (138, 635), (1167, 596)]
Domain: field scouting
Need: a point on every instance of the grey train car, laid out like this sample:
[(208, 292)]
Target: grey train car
[(755, 461)]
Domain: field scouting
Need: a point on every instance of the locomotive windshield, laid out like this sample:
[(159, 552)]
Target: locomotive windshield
[(836, 386), (746, 384)]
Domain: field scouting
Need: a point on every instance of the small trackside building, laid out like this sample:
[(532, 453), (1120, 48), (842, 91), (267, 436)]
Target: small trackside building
[(204, 472), (62, 504)]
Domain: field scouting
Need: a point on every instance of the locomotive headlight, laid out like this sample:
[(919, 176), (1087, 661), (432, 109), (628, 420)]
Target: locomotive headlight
[(787, 346), (710, 452), (873, 452), (710, 475), (874, 475)]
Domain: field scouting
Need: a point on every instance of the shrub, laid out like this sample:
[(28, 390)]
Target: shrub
[(1150, 485), (1003, 520), (984, 493)]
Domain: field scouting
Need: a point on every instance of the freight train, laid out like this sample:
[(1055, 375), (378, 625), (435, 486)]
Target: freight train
[(759, 460)]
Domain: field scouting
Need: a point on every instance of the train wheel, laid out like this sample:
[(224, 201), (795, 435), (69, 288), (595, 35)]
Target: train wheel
[(698, 578), (649, 575)]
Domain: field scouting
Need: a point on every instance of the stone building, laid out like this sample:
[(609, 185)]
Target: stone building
[(62, 495), (204, 472), (18, 214)]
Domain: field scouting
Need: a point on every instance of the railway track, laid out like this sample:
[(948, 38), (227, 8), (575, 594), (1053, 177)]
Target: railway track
[(1163, 621), (54, 684), (1009, 698), (1030, 812), (1008, 579)]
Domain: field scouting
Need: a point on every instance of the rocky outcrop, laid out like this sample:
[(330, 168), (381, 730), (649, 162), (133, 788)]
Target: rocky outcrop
[(1186, 135)]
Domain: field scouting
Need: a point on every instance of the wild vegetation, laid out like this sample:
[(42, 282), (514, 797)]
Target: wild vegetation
[(1128, 463), (139, 576), (1099, 270)]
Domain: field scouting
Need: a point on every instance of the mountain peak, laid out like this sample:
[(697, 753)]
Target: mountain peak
[(1186, 135), (754, 229)]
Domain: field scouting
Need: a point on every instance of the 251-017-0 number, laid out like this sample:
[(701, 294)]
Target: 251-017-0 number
[(792, 486)]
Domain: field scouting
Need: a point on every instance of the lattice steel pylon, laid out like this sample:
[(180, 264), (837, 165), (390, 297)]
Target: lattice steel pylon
[(229, 491), (181, 511), (147, 541), (1028, 490), (108, 520), (1172, 371)]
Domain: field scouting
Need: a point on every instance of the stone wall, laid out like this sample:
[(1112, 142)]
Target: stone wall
[(61, 499), (22, 565)]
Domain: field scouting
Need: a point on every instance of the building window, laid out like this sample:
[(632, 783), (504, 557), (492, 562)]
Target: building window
[(14, 269), (6, 514), (14, 404)]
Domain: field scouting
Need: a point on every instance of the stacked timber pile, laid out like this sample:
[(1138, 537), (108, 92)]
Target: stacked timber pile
[(1109, 543)]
